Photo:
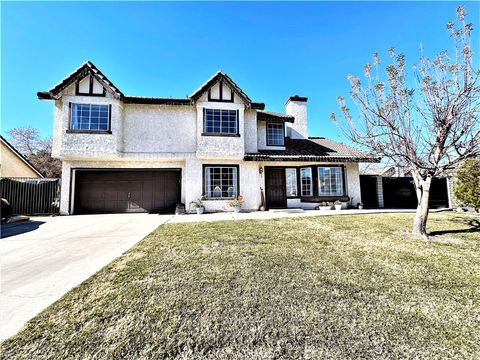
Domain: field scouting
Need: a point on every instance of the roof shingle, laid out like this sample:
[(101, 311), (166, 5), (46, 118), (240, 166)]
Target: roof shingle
[(313, 149), (268, 115)]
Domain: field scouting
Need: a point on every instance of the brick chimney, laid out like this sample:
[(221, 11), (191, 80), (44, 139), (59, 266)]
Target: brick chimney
[(296, 106)]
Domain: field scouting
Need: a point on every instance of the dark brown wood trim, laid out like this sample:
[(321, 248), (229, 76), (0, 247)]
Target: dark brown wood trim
[(316, 199), (297, 172), (238, 122), (220, 94), (70, 131), (204, 190), (218, 100), (90, 88), (266, 132), (110, 118), (205, 133), (90, 85), (71, 194), (344, 182), (92, 95), (221, 134), (73, 131), (313, 189)]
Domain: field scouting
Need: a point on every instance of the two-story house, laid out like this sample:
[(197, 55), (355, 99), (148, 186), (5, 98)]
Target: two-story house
[(135, 154)]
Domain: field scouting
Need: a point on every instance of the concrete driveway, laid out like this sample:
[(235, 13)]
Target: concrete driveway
[(44, 258)]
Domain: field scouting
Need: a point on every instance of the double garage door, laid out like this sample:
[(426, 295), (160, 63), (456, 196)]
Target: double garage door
[(125, 191)]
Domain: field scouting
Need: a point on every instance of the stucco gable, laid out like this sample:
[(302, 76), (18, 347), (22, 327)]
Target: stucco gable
[(221, 87), (86, 72)]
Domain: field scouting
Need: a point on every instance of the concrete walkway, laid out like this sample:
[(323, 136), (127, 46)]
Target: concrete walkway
[(276, 214), (44, 258)]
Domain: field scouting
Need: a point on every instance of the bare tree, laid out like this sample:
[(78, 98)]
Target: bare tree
[(37, 150), (428, 123)]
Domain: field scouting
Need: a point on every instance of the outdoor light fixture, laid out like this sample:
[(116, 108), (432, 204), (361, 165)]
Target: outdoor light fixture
[(260, 170)]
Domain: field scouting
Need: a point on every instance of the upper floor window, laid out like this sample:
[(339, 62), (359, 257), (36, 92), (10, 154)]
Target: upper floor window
[(275, 134), (90, 117), (330, 181), (219, 121)]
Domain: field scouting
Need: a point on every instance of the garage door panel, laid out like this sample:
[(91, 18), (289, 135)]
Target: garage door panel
[(102, 191)]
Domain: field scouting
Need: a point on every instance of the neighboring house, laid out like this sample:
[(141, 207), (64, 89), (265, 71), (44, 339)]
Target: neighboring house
[(387, 171), (132, 154), (14, 164)]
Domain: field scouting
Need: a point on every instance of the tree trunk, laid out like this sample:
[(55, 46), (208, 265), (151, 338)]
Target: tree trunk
[(421, 216)]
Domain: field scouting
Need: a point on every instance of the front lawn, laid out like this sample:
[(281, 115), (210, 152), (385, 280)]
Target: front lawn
[(312, 287)]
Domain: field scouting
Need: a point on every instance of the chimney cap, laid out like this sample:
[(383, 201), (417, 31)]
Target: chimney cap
[(297, 98)]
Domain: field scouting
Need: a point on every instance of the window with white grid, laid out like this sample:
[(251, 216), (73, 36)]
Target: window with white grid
[(306, 181), (219, 121), (275, 134), (221, 182), (291, 180), (330, 181), (90, 117)]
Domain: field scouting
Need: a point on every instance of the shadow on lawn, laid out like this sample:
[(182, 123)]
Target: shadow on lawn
[(473, 223)]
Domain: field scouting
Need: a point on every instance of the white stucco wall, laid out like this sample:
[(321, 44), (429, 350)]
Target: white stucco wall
[(81, 144), (250, 126), (159, 129), (220, 146), (299, 128), (262, 137), (249, 184)]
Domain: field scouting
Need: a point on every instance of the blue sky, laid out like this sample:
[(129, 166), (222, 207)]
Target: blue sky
[(272, 50)]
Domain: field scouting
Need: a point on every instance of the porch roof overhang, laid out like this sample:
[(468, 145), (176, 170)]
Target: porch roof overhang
[(314, 150), (274, 117), (299, 158)]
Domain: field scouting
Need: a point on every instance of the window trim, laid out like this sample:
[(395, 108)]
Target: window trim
[(312, 190), (297, 178), (84, 131), (205, 133), (220, 94), (266, 133), (316, 198), (343, 180), (90, 89), (204, 188)]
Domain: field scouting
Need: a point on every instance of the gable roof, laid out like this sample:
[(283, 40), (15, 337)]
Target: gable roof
[(217, 77), (20, 156), (85, 69), (88, 68), (313, 149)]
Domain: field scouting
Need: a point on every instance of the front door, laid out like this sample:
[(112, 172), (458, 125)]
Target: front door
[(275, 190)]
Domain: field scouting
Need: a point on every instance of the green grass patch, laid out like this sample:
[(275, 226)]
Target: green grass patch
[(313, 287)]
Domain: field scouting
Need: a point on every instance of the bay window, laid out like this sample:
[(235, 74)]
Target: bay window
[(330, 181), (291, 182), (306, 181)]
